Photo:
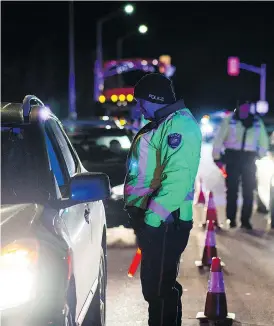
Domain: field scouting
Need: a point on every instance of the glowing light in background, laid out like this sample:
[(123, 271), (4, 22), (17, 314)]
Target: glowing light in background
[(129, 9), (122, 97), (165, 59), (142, 29), (130, 97), (262, 107), (114, 98), (205, 119), (102, 99)]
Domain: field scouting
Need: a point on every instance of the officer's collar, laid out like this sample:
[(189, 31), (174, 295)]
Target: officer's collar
[(164, 112)]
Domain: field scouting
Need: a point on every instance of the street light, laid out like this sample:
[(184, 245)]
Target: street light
[(99, 78), (128, 9), (142, 29)]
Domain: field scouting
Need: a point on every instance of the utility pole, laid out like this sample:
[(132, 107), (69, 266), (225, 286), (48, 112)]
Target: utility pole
[(72, 91)]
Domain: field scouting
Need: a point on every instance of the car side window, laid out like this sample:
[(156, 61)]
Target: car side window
[(54, 163), (69, 158)]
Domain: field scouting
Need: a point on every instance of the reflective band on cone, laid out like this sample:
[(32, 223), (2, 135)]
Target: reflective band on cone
[(210, 249), (211, 212)]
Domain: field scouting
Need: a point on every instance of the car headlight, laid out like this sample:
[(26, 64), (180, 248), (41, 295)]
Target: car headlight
[(117, 192), (206, 128), (17, 275)]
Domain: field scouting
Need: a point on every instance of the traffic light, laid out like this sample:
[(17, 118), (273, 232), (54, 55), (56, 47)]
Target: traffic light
[(233, 66)]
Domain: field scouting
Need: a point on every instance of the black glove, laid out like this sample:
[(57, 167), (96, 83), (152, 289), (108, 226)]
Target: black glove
[(136, 217)]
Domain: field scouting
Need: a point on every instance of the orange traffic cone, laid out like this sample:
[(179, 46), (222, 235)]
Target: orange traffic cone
[(135, 263), (211, 213), (216, 304), (201, 198), (210, 249)]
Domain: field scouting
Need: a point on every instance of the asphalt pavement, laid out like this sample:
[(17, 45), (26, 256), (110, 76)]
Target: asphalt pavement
[(248, 276)]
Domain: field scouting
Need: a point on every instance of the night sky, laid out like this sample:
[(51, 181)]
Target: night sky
[(199, 36)]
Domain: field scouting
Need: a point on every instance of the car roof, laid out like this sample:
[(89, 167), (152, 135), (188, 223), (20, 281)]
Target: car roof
[(11, 113), (29, 111)]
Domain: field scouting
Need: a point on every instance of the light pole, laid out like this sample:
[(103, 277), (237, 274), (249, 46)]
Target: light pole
[(128, 9), (72, 91), (142, 29)]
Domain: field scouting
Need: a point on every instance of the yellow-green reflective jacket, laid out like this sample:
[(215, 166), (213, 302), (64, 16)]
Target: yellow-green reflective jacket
[(162, 167), (233, 135)]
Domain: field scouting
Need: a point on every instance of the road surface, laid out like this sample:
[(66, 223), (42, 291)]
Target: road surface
[(248, 276), (248, 271)]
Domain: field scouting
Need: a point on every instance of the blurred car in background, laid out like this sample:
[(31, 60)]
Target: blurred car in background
[(265, 182), (103, 145)]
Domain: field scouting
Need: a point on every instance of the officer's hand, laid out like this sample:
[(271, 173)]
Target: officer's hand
[(136, 223), (136, 217)]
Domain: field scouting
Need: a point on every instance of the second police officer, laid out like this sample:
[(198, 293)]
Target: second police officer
[(241, 139)]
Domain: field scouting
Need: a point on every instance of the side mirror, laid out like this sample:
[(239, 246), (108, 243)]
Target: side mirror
[(86, 187), (89, 187)]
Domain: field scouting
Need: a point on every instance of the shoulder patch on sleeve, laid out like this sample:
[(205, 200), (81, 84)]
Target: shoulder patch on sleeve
[(174, 140)]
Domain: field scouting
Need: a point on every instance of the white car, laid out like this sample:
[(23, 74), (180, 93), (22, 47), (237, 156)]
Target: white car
[(53, 224), (265, 182)]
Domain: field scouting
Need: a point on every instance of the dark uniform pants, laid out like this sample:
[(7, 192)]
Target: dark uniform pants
[(161, 251), (244, 169)]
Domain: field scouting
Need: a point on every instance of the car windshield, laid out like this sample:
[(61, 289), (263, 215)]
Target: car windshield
[(21, 167), (101, 145)]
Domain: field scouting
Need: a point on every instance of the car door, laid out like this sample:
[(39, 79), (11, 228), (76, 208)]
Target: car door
[(77, 218)]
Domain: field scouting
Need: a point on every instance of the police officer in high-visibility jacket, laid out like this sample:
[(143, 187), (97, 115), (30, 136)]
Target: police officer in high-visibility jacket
[(159, 187), (243, 138)]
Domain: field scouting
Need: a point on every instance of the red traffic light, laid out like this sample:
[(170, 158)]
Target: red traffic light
[(233, 66)]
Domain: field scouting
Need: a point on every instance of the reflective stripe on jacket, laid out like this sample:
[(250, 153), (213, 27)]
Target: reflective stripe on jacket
[(162, 167), (233, 135)]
